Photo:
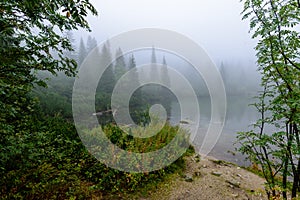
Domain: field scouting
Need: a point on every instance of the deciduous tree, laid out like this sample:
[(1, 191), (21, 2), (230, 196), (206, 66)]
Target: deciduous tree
[(30, 31), (276, 26)]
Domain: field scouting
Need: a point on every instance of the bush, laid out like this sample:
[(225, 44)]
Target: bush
[(52, 163)]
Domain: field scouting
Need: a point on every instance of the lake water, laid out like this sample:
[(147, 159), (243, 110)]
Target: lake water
[(239, 116)]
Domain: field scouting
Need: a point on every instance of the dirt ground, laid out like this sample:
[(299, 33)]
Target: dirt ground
[(210, 179)]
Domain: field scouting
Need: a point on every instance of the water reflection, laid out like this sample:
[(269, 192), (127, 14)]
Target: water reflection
[(239, 116)]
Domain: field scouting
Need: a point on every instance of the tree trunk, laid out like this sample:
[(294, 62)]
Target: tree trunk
[(284, 178)]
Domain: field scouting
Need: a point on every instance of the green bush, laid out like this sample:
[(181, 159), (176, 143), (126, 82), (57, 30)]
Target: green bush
[(52, 163)]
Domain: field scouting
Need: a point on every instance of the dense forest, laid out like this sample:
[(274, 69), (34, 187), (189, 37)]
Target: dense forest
[(42, 155)]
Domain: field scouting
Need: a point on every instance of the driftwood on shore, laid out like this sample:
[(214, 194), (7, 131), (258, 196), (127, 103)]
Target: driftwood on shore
[(104, 112)]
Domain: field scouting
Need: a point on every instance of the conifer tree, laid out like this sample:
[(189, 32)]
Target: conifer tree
[(164, 75), (120, 66), (153, 71), (90, 44), (82, 52), (107, 80)]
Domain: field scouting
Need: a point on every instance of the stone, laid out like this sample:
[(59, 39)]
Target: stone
[(234, 183), (235, 195), (188, 178), (216, 173), (197, 173), (239, 175), (197, 158)]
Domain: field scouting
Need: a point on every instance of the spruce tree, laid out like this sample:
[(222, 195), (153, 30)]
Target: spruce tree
[(107, 80), (136, 103), (153, 70), (90, 44), (165, 93), (120, 66), (68, 53), (152, 91), (224, 76), (164, 75), (82, 52), (134, 78)]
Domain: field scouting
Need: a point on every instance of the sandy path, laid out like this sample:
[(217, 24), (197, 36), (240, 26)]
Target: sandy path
[(212, 180)]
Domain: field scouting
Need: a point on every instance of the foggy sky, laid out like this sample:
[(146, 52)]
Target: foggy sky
[(215, 25)]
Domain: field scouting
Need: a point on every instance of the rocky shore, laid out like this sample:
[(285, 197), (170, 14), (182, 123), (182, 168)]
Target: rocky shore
[(206, 178)]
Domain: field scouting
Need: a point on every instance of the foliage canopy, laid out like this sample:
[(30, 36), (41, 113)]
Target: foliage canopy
[(275, 24), (32, 39)]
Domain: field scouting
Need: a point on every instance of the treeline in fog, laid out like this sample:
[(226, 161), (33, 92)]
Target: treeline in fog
[(57, 97), (239, 79)]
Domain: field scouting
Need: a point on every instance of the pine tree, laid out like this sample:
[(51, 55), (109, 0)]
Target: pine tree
[(134, 78), (224, 76), (70, 54), (120, 66), (82, 53), (164, 75), (165, 94), (153, 70), (90, 44), (136, 103), (152, 91), (107, 80)]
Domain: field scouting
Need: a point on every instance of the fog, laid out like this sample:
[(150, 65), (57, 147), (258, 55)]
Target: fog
[(215, 25)]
